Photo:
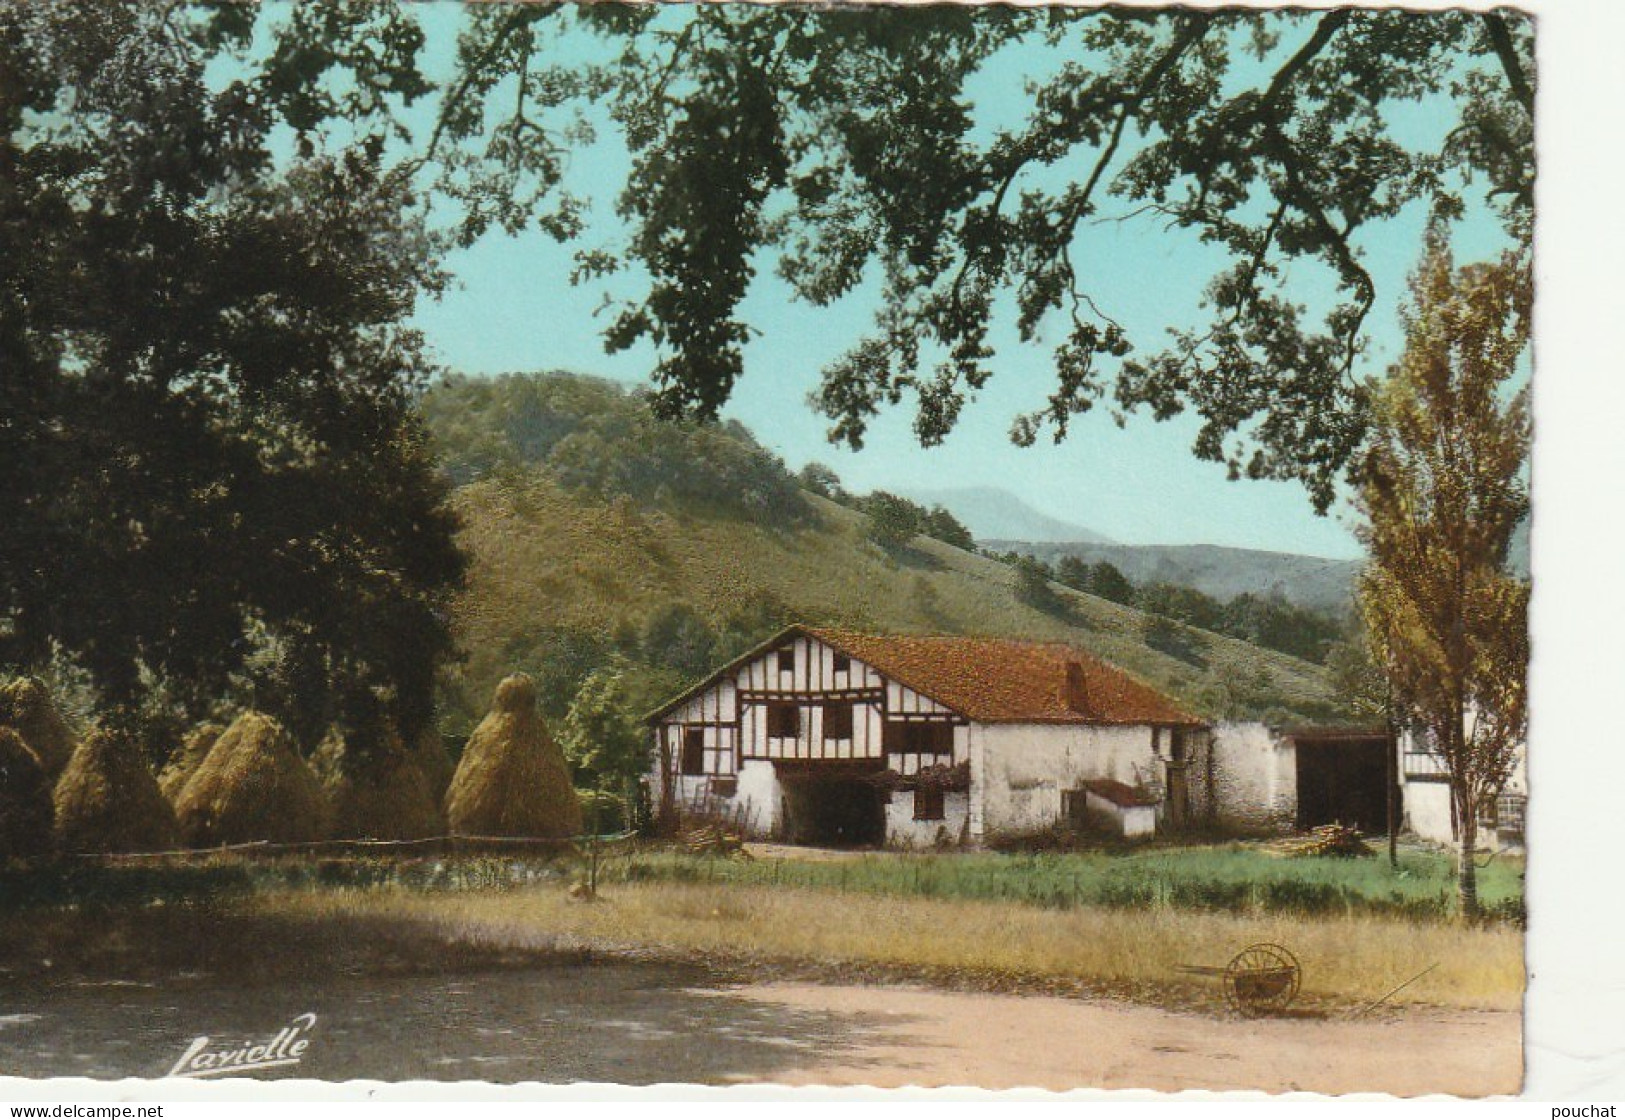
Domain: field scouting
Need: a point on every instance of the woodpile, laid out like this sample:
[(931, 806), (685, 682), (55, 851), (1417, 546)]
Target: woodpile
[(712, 840), (1331, 840)]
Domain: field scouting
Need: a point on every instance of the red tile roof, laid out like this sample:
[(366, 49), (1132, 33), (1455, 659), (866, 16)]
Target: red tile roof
[(1003, 680)]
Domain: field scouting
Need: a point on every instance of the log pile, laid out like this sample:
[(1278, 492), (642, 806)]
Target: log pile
[(1334, 840)]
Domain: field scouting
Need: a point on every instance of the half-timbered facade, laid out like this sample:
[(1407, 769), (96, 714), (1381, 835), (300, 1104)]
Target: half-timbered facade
[(828, 736)]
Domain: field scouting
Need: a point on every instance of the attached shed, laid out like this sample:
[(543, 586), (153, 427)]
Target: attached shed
[(1125, 810)]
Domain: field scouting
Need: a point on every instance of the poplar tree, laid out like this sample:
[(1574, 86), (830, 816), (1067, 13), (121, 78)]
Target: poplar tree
[(1443, 490)]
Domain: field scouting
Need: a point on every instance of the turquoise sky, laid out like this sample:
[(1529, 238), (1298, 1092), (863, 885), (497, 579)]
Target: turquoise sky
[(513, 308)]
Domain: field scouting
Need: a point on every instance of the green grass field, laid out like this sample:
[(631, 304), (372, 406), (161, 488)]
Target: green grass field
[(1230, 879), (1235, 879)]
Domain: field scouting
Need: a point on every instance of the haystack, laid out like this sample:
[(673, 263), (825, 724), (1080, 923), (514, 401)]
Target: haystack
[(25, 799), (428, 750), (108, 801), (185, 761), (252, 786), (27, 707), (378, 793), (512, 780)]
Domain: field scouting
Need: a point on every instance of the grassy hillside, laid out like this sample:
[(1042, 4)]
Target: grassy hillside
[(551, 560)]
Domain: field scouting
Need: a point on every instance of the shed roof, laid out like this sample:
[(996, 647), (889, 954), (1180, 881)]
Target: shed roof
[(993, 680), (1121, 794)]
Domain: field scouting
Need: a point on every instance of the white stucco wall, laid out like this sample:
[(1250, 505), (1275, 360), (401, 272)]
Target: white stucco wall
[(1025, 767), (1426, 804), (1255, 778), (761, 799), (1427, 810), (903, 831)]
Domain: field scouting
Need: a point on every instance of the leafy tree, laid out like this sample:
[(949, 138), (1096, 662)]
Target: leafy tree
[(940, 524), (1107, 581), (601, 736), (1073, 571), (1183, 604), (847, 142), (1032, 584), (1443, 493), (822, 480), (893, 521), (213, 476), (592, 435), (1357, 680), (677, 637)]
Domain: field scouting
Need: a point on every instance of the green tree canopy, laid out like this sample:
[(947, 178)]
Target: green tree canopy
[(844, 145), (210, 462), (851, 144)]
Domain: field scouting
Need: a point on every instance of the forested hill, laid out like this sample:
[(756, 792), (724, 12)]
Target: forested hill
[(1307, 581), (600, 536)]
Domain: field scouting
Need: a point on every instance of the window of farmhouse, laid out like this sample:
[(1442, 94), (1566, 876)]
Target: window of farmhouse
[(837, 721), (783, 720), (693, 750), (928, 804), (787, 659), (918, 738), (842, 663)]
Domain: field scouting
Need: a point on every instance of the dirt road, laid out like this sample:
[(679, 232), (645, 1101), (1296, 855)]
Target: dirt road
[(921, 1037), (642, 1023)]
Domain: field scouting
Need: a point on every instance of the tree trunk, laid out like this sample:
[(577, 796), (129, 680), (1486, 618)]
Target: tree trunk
[(1466, 869), (666, 814)]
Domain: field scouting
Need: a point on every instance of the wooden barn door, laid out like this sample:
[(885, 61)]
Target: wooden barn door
[(1178, 810)]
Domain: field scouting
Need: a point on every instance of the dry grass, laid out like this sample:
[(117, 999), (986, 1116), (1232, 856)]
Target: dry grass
[(108, 801), (252, 786), (25, 799), (26, 705), (512, 780), (1346, 961), (184, 762), (379, 793)]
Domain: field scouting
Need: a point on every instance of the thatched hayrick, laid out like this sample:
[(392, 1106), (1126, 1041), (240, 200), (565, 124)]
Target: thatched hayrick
[(252, 786), (108, 801), (25, 799), (185, 761), (26, 706), (512, 780), (377, 790)]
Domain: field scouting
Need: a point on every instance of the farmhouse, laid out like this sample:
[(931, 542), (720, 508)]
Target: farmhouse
[(829, 736)]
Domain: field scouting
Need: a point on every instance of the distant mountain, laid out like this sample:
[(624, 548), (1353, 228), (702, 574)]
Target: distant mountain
[(991, 513), (1307, 581)]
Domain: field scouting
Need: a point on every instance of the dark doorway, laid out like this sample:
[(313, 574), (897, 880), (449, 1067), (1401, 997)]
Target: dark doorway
[(1343, 781), (833, 810)]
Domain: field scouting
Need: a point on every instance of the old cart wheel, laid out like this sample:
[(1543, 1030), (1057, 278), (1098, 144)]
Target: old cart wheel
[(1262, 978)]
